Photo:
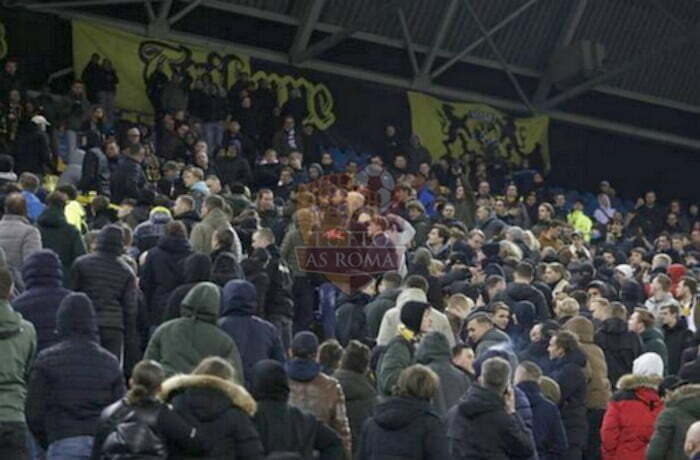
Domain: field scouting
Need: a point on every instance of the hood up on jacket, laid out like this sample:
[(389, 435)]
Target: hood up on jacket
[(52, 217), (396, 413), (634, 381), (42, 269), (582, 327), (197, 267), (302, 369), (76, 317), (434, 347), (110, 240), (240, 298), (270, 381), (205, 408), (10, 321), (687, 398), (202, 303)]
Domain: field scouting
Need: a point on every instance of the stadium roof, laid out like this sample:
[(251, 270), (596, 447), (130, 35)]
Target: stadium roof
[(652, 46)]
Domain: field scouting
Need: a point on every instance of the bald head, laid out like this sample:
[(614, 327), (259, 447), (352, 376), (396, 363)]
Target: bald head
[(692, 440)]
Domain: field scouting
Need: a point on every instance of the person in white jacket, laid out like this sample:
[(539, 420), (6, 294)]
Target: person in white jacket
[(391, 320)]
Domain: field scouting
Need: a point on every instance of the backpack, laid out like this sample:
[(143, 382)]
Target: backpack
[(133, 435)]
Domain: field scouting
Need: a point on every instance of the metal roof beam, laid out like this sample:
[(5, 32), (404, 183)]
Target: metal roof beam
[(391, 80), (332, 40), (444, 26), (184, 12), (410, 47), (76, 4), (474, 45), (307, 26), (566, 36), (511, 76), (164, 10), (149, 11), (673, 44)]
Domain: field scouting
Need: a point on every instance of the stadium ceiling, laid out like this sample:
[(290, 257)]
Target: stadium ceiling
[(652, 46)]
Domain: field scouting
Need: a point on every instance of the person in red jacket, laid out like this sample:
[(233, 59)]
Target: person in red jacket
[(629, 420)]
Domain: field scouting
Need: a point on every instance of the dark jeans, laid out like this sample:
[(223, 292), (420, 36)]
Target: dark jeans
[(303, 291), (595, 420), (112, 340), (13, 440), (75, 448)]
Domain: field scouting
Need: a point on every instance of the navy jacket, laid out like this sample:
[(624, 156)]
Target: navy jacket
[(43, 277), (569, 373), (162, 273), (72, 381), (547, 429), (256, 338)]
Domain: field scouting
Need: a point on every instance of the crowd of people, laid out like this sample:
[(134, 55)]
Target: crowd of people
[(158, 298)]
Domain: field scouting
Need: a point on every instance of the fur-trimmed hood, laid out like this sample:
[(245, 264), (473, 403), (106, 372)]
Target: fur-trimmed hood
[(634, 381), (238, 395), (684, 393)]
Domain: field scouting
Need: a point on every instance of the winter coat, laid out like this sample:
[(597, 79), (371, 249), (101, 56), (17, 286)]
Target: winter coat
[(44, 292), (74, 380), (95, 173), (494, 337), (180, 344), (196, 268), (434, 351), (690, 371), (653, 341), (19, 239), (351, 319), (221, 409), (162, 272), (392, 318), (547, 429), (18, 350), (397, 356), (319, 394), (537, 353), (279, 298), (32, 151), (677, 339), (360, 400), (148, 233), (148, 430), (62, 237), (597, 383), (376, 309), (109, 282), (234, 169), (629, 421), (200, 238), (569, 373), (127, 180), (682, 410), (507, 437), (404, 428), (256, 338), (518, 292), (288, 429), (620, 346)]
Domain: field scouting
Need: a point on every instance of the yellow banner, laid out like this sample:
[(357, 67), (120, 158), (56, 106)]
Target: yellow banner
[(3, 41), (135, 58), (457, 128)]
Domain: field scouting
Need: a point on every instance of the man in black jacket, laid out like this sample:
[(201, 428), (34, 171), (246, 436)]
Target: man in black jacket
[(72, 382), (677, 336), (279, 303), (485, 424), (621, 346), (129, 179), (111, 285), (521, 289)]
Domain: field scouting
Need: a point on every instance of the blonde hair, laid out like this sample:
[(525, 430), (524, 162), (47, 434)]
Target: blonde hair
[(568, 307), (510, 249), (436, 267), (217, 367)]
